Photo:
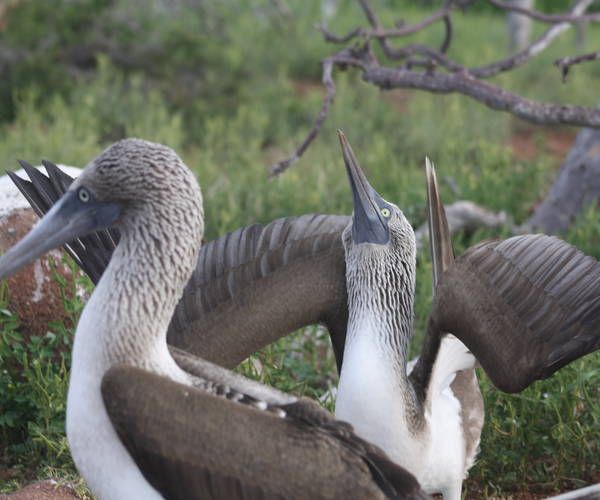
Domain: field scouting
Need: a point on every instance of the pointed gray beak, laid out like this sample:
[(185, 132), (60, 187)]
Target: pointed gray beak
[(68, 219), (368, 225)]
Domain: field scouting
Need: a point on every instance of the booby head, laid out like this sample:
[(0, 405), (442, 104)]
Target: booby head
[(379, 231), (130, 179), (380, 253)]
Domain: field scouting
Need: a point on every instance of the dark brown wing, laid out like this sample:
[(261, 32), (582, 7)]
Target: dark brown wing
[(525, 306), (192, 444), (250, 287), (259, 283)]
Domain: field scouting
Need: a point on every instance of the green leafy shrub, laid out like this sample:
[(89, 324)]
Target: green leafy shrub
[(33, 386), (235, 89)]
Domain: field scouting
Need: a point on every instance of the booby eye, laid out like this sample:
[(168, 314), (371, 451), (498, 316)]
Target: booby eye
[(385, 212), (83, 195)]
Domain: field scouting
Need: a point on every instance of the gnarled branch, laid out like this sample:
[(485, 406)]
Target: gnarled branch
[(439, 73), (546, 18)]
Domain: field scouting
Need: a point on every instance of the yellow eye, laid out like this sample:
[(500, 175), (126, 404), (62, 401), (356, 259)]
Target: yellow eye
[(385, 212)]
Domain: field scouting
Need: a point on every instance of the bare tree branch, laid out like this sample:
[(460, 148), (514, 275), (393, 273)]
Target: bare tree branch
[(491, 95), (534, 49), (546, 18), (565, 63), (327, 79), (466, 216), (379, 32), (430, 69), (448, 36)]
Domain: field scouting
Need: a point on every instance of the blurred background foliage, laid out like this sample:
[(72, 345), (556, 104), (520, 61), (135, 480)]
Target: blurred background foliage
[(233, 86)]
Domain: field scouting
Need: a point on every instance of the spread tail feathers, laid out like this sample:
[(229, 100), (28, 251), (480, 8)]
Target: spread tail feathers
[(91, 253)]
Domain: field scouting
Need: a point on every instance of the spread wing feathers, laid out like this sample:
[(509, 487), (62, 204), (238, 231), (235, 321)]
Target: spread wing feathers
[(91, 253), (259, 283), (254, 252), (192, 444), (525, 306)]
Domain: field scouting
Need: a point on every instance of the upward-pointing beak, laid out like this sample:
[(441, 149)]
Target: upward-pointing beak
[(368, 225), (68, 219)]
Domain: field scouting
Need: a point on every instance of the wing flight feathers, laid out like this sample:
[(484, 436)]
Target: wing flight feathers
[(259, 283), (525, 306), (191, 444)]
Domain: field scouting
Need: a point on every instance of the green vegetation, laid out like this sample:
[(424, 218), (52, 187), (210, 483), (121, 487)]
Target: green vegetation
[(233, 88)]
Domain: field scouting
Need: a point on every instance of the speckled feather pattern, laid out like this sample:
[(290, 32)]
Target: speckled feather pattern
[(155, 185), (382, 278)]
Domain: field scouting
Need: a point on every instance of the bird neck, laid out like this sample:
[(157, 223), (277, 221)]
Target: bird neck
[(380, 301), (125, 321), (132, 305), (380, 304)]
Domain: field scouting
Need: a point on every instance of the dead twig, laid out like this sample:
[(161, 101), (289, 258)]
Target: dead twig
[(565, 63), (534, 49), (327, 80)]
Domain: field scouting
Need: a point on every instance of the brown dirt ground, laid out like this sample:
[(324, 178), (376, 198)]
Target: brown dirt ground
[(529, 142)]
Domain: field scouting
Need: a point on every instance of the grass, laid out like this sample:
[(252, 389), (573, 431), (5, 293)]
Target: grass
[(255, 101)]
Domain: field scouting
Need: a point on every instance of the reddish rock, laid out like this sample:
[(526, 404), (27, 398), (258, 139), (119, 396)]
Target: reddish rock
[(43, 490), (33, 292)]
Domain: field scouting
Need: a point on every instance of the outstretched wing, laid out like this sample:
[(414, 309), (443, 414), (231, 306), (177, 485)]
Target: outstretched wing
[(259, 283), (250, 287), (190, 443), (525, 306)]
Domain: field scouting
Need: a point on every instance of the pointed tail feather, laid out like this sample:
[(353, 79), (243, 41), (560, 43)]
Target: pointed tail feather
[(440, 243)]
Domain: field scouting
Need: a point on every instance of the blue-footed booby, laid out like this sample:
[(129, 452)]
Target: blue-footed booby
[(140, 425), (525, 306), (426, 435)]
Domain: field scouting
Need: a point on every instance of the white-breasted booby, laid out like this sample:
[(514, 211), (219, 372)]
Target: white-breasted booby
[(426, 433), (240, 299), (138, 424)]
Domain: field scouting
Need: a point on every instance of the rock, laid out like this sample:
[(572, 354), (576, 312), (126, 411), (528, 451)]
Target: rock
[(43, 490), (33, 293)]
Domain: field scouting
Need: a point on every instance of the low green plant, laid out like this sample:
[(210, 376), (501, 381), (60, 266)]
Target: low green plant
[(257, 96), (33, 385)]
